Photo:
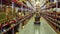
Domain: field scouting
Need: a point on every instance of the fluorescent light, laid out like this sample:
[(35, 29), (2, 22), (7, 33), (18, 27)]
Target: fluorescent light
[(37, 2)]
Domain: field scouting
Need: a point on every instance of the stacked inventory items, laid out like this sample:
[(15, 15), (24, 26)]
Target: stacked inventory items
[(12, 16), (52, 14)]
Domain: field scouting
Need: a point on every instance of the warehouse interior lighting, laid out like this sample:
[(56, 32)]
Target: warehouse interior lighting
[(37, 2), (19, 13)]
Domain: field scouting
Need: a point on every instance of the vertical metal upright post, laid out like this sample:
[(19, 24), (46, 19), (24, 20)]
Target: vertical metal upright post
[(12, 7), (13, 15), (27, 9), (1, 30), (1, 7), (21, 9), (56, 5), (13, 30), (1, 3)]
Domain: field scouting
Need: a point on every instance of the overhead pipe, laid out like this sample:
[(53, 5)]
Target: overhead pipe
[(44, 4), (30, 3)]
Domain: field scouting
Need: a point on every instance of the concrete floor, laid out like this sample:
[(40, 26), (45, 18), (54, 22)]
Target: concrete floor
[(43, 28), (36, 29)]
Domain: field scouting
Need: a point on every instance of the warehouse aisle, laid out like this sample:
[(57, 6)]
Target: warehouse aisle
[(17, 16), (29, 27), (45, 28), (36, 29)]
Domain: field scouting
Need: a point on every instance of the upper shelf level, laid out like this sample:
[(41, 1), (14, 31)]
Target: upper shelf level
[(16, 3)]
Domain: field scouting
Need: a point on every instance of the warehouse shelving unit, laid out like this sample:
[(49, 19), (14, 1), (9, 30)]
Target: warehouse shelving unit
[(12, 25), (52, 16)]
